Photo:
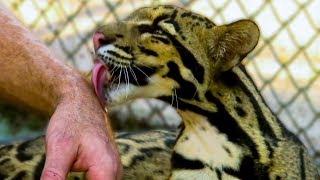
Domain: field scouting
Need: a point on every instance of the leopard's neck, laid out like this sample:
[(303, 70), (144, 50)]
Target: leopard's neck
[(228, 126)]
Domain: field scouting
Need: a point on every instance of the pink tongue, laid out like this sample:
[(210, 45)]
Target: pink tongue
[(99, 76)]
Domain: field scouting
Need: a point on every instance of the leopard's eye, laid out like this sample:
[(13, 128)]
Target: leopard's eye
[(159, 31), (150, 29)]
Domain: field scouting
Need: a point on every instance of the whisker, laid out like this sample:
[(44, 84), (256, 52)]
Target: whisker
[(176, 94), (127, 81), (147, 76), (133, 74), (119, 78), (197, 85)]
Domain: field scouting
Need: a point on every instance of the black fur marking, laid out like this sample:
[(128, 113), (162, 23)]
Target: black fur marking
[(22, 155), (136, 160), (248, 170), (144, 28), (189, 61), (6, 148), (238, 99), (4, 161), (302, 167), (119, 35), (284, 130), (227, 150), (227, 124), (268, 144), (222, 120), (123, 147), (159, 18), (141, 77), (219, 175), (209, 24), (175, 24), (265, 128), (169, 142), (38, 169), (150, 151), (148, 52), (3, 176), (146, 153), (115, 54), (126, 49), (240, 111), (20, 175), (162, 39), (229, 79), (180, 162), (187, 90)]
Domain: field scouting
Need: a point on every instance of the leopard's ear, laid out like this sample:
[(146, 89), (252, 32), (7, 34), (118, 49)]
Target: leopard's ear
[(233, 42)]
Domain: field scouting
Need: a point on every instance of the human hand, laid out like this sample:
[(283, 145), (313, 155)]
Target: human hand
[(78, 139)]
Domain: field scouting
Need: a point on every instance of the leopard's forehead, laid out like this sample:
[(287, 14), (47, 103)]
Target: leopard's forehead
[(170, 13)]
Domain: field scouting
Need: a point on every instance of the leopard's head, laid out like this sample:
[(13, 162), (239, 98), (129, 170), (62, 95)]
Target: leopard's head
[(165, 51)]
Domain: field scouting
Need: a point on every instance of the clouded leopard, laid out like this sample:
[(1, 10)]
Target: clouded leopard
[(184, 59)]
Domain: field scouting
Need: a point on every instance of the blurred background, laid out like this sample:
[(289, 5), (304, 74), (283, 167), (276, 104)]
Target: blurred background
[(285, 65)]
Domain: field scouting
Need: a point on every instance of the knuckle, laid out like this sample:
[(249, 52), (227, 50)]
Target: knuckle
[(51, 175)]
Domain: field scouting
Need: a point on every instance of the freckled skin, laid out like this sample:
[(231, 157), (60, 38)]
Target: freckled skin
[(31, 77)]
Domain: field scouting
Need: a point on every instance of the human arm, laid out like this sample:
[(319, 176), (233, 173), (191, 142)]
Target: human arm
[(77, 137)]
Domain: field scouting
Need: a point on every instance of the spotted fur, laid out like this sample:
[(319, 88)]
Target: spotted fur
[(184, 59)]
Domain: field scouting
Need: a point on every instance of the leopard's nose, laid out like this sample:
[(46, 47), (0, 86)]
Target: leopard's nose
[(100, 40)]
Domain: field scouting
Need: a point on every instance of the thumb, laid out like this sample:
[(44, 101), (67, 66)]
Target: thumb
[(59, 159)]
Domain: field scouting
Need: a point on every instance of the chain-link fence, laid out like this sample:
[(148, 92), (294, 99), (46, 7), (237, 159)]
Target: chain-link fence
[(285, 65)]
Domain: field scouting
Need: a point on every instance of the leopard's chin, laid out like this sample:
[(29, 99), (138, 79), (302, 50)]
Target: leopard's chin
[(118, 94)]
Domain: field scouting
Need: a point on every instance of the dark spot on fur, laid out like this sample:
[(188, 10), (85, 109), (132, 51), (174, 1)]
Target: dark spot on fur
[(6, 148), (123, 147), (240, 111), (38, 169), (188, 60), (148, 52), (175, 24), (229, 78), (180, 162), (4, 161), (162, 39), (20, 175), (154, 41), (137, 159), (3, 176), (238, 99), (219, 175), (169, 142), (187, 90), (118, 56), (150, 151), (159, 18), (227, 150), (257, 170), (126, 49), (119, 35), (302, 164), (22, 155)]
